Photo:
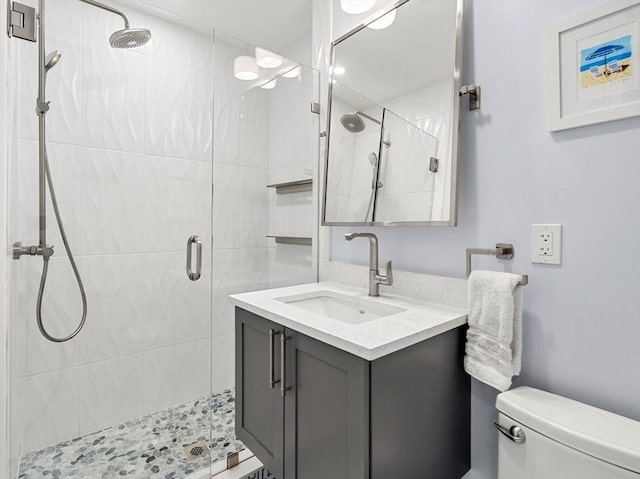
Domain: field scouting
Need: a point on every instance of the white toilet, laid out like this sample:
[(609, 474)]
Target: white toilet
[(544, 436)]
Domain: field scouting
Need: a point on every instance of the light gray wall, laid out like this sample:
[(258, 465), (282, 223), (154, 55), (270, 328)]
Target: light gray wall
[(581, 319)]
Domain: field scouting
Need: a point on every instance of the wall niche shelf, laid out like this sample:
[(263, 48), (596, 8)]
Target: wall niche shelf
[(296, 186), (299, 240)]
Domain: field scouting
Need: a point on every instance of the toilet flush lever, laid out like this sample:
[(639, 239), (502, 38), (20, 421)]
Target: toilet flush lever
[(515, 433)]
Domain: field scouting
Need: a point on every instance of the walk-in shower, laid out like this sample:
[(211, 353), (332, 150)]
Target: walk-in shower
[(125, 38), (146, 389)]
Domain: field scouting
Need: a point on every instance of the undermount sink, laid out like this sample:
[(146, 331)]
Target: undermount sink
[(339, 307)]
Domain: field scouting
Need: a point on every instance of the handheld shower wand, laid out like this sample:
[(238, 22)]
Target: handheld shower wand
[(126, 38)]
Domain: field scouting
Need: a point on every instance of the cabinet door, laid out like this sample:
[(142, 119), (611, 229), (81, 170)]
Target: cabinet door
[(259, 405), (420, 410), (326, 411)]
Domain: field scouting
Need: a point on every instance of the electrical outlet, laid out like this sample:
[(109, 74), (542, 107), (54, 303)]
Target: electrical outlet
[(546, 244)]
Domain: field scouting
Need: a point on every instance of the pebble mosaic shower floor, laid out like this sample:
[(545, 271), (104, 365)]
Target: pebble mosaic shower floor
[(150, 447)]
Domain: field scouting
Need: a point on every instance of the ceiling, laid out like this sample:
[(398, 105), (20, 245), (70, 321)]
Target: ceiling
[(273, 24), (415, 51)]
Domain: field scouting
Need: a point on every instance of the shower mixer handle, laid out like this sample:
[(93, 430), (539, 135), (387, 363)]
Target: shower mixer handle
[(45, 251)]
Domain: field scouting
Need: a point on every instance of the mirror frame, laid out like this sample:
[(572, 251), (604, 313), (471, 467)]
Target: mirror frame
[(455, 130)]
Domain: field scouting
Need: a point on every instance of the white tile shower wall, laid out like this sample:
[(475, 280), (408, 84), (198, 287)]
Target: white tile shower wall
[(240, 201), (293, 155), (428, 108), (343, 166), (417, 193), (130, 146)]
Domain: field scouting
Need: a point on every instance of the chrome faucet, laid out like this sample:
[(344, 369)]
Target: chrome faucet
[(375, 279)]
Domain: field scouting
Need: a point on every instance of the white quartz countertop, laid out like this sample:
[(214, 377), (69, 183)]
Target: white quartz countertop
[(370, 340)]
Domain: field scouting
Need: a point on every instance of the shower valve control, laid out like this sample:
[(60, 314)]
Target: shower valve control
[(18, 251)]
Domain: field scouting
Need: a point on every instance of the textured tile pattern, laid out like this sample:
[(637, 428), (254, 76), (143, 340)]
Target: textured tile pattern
[(130, 140), (148, 447)]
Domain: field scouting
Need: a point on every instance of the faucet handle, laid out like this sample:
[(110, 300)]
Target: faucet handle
[(388, 277)]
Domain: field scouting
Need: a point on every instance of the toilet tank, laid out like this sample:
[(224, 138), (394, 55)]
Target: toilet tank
[(564, 439)]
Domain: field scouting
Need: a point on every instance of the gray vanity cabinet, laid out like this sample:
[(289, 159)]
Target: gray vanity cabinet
[(343, 417), (259, 406), (326, 413)]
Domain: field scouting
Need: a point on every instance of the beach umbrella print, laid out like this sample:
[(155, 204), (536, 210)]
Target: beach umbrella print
[(603, 52)]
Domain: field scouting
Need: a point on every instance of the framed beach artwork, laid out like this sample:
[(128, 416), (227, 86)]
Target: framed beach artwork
[(593, 67)]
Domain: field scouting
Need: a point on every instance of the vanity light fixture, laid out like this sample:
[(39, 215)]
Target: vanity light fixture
[(245, 68), (270, 85), (354, 7), (267, 59), (384, 21), (293, 73)]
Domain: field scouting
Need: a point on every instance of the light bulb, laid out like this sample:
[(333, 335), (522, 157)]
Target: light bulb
[(270, 85), (354, 7), (267, 59), (384, 21), (245, 68), (293, 73), (338, 70)]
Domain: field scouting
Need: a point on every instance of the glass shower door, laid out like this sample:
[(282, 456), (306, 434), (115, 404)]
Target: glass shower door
[(130, 150)]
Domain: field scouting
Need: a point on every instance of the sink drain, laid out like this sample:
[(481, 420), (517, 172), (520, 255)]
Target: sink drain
[(195, 450)]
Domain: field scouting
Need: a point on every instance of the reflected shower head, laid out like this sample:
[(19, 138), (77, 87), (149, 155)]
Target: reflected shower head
[(130, 38), (352, 122), (51, 60)]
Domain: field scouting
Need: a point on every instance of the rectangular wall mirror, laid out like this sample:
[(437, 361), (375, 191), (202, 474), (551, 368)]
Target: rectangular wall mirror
[(392, 134)]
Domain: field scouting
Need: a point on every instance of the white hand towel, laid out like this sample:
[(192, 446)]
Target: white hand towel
[(494, 338)]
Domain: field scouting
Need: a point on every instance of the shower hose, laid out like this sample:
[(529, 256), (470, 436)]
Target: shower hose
[(45, 267)]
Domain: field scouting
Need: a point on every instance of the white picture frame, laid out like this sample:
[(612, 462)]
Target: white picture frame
[(593, 67)]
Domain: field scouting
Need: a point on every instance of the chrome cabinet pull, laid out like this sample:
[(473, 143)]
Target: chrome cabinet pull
[(283, 367), (195, 239), (272, 346), (515, 433)]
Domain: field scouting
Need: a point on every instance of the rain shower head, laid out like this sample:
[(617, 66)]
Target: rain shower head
[(130, 38), (354, 123), (127, 37), (51, 60)]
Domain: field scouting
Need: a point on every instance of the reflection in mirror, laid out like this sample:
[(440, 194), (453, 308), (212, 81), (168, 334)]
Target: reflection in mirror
[(406, 185), (393, 124), (356, 131)]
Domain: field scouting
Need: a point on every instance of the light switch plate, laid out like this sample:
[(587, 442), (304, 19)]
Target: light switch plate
[(546, 244)]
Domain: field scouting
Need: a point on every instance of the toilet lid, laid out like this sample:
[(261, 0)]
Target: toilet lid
[(612, 438)]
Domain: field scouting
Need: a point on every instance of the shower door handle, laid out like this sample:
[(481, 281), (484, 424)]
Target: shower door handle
[(194, 275)]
